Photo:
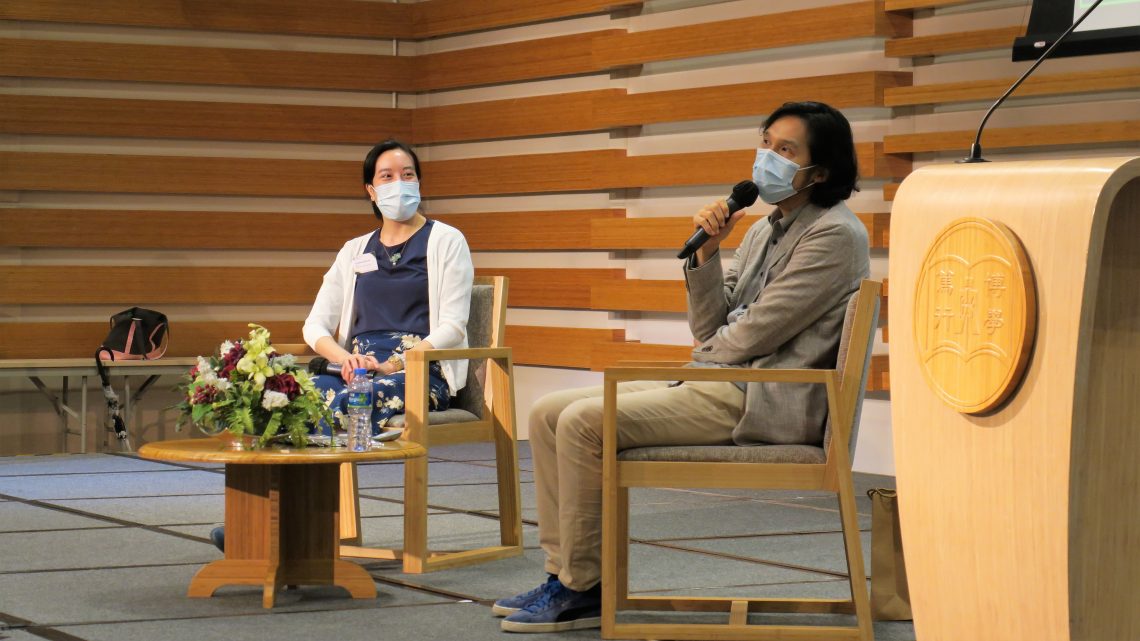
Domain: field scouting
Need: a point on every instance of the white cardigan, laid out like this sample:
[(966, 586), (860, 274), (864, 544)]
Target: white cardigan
[(450, 277)]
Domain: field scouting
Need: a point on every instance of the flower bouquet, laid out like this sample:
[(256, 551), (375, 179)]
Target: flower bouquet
[(248, 390)]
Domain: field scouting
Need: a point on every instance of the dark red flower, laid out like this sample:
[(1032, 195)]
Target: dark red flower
[(204, 395), (284, 383), (230, 359)]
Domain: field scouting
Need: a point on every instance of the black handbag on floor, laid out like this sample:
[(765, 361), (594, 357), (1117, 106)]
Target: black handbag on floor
[(136, 334)]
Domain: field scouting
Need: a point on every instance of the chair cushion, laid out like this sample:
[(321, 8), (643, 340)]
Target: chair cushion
[(727, 454), (479, 326), (450, 415)]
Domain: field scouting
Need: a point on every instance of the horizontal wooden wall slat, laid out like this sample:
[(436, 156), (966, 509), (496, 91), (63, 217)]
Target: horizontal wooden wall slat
[(1077, 82), (76, 340), (348, 18), (857, 89), (947, 43), (557, 346), (530, 173), (548, 58), (855, 20), (670, 232), (908, 5), (533, 230), (1085, 133), (643, 295), (879, 377), (445, 17), (204, 65), (302, 17), (551, 288), (152, 285), (121, 173), (75, 116), (146, 229), (603, 356), (576, 229), (511, 118)]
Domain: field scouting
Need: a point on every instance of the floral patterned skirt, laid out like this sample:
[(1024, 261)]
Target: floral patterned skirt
[(387, 391)]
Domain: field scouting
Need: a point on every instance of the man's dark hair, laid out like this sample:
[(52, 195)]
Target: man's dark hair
[(831, 145), (375, 153)]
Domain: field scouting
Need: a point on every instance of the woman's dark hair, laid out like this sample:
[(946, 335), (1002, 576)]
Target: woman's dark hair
[(831, 146), (375, 153)]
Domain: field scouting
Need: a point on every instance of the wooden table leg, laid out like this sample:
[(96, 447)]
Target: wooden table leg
[(282, 528)]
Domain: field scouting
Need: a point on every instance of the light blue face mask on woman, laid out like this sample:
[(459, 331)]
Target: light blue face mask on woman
[(398, 200), (773, 174)]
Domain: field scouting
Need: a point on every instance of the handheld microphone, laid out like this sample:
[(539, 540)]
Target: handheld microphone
[(976, 148), (744, 194), (321, 365)]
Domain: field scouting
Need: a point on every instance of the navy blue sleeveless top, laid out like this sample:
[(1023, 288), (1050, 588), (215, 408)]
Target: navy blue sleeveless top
[(394, 298)]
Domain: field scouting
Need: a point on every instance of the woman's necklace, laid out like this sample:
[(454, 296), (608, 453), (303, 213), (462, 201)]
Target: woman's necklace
[(394, 258)]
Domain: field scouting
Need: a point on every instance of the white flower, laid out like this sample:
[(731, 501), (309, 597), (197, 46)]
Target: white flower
[(209, 377), (204, 365), (330, 396), (225, 348), (387, 382), (408, 341), (222, 384), (395, 403), (273, 400), (285, 360)]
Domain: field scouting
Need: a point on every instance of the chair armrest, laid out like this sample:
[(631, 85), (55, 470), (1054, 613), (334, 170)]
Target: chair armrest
[(726, 374), (457, 353)]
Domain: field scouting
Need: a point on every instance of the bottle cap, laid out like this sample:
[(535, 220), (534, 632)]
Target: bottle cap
[(360, 371)]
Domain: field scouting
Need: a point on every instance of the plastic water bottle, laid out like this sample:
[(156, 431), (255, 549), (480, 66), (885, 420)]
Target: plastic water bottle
[(360, 411)]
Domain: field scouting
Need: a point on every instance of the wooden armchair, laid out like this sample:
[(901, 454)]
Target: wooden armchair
[(802, 467), (483, 411)]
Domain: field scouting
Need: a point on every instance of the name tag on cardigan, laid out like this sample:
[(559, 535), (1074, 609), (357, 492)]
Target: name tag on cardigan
[(364, 263)]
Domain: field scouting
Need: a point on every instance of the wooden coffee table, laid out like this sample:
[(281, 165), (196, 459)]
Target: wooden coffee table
[(282, 508)]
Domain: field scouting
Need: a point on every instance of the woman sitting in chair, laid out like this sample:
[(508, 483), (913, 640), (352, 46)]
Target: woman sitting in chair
[(403, 287)]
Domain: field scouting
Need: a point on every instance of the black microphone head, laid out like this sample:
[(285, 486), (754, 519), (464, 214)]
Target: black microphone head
[(745, 193), (318, 365)]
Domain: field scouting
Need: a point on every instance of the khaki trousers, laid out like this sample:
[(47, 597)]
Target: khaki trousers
[(566, 441)]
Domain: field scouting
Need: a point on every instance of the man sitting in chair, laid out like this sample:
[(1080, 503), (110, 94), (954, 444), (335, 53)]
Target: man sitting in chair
[(780, 305)]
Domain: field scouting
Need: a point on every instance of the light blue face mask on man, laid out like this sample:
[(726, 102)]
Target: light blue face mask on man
[(773, 174)]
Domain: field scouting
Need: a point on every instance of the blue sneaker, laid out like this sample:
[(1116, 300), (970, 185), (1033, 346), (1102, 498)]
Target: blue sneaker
[(218, 537), (512, 604), (557, 610)]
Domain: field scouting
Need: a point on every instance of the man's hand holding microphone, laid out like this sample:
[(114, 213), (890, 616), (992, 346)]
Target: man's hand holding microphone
[(714, 222)]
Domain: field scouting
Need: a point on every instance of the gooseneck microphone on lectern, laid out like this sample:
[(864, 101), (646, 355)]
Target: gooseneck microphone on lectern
[(976, 148), (743, 195)]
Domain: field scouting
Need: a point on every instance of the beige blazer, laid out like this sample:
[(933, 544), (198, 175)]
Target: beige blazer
[(795, 322)]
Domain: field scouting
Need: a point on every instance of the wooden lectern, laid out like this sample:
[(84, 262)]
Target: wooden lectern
[(1021, 520)]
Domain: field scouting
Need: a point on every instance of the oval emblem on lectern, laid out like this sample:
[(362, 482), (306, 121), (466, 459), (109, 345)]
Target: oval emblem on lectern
[(975, 313)]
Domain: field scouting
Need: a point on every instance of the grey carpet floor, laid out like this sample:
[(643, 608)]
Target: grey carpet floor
[(103, 546)]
